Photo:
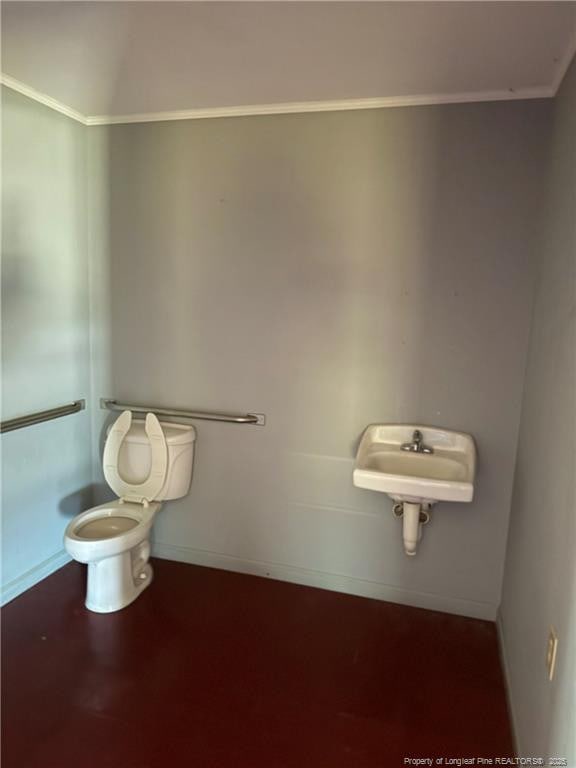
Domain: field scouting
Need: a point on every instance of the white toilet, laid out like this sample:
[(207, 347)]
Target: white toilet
[(144, 463)]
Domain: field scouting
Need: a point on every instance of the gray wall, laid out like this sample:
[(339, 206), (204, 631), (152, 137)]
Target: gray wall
[(331, 271), (46, 469), (540, 581)]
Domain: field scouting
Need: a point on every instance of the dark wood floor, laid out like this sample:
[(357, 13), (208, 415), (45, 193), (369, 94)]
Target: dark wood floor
[(214, 669)]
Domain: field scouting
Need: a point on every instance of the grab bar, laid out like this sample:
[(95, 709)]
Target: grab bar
[(258, 419), (37, 418)]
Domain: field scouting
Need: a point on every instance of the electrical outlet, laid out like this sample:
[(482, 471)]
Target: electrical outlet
[(551, 649)]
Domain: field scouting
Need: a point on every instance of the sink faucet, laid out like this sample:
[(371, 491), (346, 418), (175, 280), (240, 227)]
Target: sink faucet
[(417, 444)]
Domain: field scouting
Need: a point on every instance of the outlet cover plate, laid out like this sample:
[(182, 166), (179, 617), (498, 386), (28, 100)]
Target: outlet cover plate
[(551, 651)]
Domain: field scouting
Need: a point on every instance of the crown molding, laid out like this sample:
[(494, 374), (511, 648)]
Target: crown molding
[(42, 98), (563, 64), (343, 105)]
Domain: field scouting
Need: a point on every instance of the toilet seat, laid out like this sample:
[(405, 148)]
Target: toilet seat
[(148, 490)]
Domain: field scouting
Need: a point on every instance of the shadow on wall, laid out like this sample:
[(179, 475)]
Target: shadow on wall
[(39, 305), (77, 502)]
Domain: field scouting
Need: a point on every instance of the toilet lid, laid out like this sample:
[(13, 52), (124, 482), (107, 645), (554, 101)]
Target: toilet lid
[(151, 487)]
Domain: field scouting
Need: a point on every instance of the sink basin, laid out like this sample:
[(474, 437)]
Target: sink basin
[(447, 474)]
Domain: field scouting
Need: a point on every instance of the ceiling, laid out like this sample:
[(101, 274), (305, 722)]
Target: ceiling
[(115, 61)]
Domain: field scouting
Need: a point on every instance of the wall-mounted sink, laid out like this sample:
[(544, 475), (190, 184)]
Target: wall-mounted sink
[(416, 466), (447, 474)]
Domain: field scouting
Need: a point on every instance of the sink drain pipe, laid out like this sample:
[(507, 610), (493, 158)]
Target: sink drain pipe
[(413, 517), (411, 527)]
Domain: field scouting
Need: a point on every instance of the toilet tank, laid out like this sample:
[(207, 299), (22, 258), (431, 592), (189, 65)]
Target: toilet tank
[(135, 457)]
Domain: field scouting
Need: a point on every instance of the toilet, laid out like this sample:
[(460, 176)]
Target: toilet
[(145, 463)]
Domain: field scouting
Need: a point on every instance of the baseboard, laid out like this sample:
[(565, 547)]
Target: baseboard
[(33, 576), (507, 681), (324, 580)]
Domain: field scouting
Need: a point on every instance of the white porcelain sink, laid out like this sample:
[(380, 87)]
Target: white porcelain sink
[(447, 474)]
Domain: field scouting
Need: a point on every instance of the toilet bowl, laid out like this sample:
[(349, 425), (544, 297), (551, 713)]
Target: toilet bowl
[(144, 463), (113, 540)]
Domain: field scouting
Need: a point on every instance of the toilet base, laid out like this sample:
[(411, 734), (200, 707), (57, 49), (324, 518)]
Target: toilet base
[(115, 582)]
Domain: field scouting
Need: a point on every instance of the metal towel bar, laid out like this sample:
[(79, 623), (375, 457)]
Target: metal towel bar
[(37, 418), (258, 419)]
